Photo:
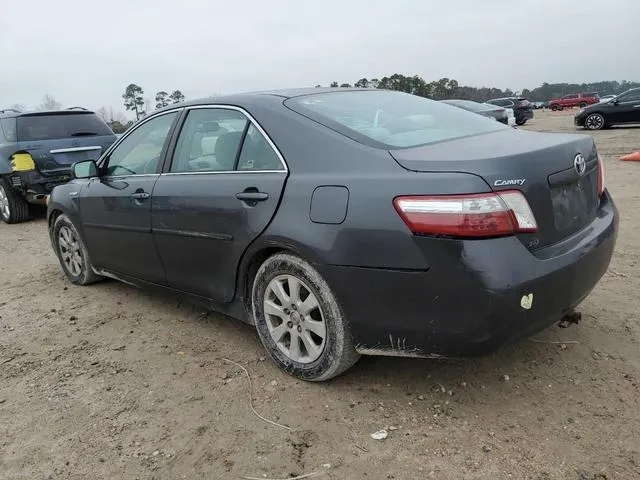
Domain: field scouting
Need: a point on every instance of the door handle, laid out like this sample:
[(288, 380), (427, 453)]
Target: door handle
[(252, 196), (140, 195)]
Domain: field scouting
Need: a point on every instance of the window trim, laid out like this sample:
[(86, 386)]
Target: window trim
[(250, 121), (100, 163)]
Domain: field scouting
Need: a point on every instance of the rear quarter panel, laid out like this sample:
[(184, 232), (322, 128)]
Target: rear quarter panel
[(372, 234)]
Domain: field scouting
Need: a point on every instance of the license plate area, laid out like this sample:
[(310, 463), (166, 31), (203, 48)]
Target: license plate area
[(574, 204)]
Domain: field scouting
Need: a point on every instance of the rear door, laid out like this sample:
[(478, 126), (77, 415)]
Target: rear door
[(218, 193), (115, 208)]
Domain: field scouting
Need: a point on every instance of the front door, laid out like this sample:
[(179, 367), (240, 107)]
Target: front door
[(219, 193), (115, 207), (627, 109)]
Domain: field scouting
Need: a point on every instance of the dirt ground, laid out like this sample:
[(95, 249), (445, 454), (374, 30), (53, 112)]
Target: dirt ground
[(111, 382)]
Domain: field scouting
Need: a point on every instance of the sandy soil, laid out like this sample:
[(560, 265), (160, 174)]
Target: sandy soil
[(111, 382)]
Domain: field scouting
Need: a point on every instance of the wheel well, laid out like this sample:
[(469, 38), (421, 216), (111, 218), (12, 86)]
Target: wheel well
[(251, 270), (53, 217)]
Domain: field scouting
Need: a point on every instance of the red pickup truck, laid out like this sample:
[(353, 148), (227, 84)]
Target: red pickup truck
[(573, 100)]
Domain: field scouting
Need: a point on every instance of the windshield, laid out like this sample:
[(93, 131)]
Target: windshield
[(389, 120), (53, 126)]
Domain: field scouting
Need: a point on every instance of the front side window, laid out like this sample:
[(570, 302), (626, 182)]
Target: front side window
[(630, 97), (209, 140), (139, 153), (569, 97), (388, 120)]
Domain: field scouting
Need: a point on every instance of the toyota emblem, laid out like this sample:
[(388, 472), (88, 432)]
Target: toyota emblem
[(579, 164)]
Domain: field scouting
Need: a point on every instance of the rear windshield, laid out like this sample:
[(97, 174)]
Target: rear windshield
[(386, 119), (60, 125)]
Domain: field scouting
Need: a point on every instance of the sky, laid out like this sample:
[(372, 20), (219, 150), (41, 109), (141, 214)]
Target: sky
[(85, 53)]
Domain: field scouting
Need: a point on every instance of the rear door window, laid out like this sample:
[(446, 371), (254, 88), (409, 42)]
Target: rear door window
[(209, 141), (8, 127), (53, 126)]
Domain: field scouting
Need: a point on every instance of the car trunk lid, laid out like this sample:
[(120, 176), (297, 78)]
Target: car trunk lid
[(541, 166)]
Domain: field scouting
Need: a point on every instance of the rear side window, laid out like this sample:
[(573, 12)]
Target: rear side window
[(60, 125), (389, 120), (8, 127)]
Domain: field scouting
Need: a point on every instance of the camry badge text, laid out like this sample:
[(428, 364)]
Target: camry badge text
[(511, 181)]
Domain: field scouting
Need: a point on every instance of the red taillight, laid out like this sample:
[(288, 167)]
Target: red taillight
[(600, 176), (475, 215)]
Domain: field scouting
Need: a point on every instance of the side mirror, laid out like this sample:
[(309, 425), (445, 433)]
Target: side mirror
[(84, 169)]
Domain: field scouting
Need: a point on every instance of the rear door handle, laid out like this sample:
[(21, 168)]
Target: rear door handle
[(140, 195), (252, 196)]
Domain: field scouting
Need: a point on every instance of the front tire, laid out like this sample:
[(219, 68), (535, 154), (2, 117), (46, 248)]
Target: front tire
[(13, 208), (595, 121), (521, 122), (299, 321), (72, 252), (554, 107)]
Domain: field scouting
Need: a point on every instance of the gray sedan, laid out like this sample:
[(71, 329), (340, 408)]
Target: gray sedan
[(343, 222)]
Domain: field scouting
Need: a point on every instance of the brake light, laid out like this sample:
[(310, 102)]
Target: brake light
[(600, 176), (474, 216)]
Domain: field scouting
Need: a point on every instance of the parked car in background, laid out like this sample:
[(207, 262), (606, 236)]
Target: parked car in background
[(521, 107), (606, 98), (37, 150), (342, 222), (492, 111), (620, 110), (573, 100), (538, 105)]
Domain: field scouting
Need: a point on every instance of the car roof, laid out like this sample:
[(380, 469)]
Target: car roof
[(263, 96)]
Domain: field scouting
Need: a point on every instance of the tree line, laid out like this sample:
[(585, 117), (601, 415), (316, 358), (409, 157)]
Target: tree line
[(446, 88), (134, 100)]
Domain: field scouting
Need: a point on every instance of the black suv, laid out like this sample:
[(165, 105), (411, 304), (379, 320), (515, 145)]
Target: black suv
[(37, 150), (521, 107)]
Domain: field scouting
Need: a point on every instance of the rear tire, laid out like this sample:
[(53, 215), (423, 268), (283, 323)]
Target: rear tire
[(521, 122), (583, 105), (303, 328), (72, 252), (13, 208)]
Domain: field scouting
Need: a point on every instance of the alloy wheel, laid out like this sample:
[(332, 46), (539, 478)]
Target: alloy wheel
[(4, 204), (594, 122), (294, 319), (69, 247)]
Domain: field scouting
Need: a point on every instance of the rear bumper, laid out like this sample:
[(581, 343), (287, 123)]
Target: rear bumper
[(469, 302), (35, 186)]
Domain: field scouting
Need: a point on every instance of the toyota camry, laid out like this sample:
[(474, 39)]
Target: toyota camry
[(343, 222)]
